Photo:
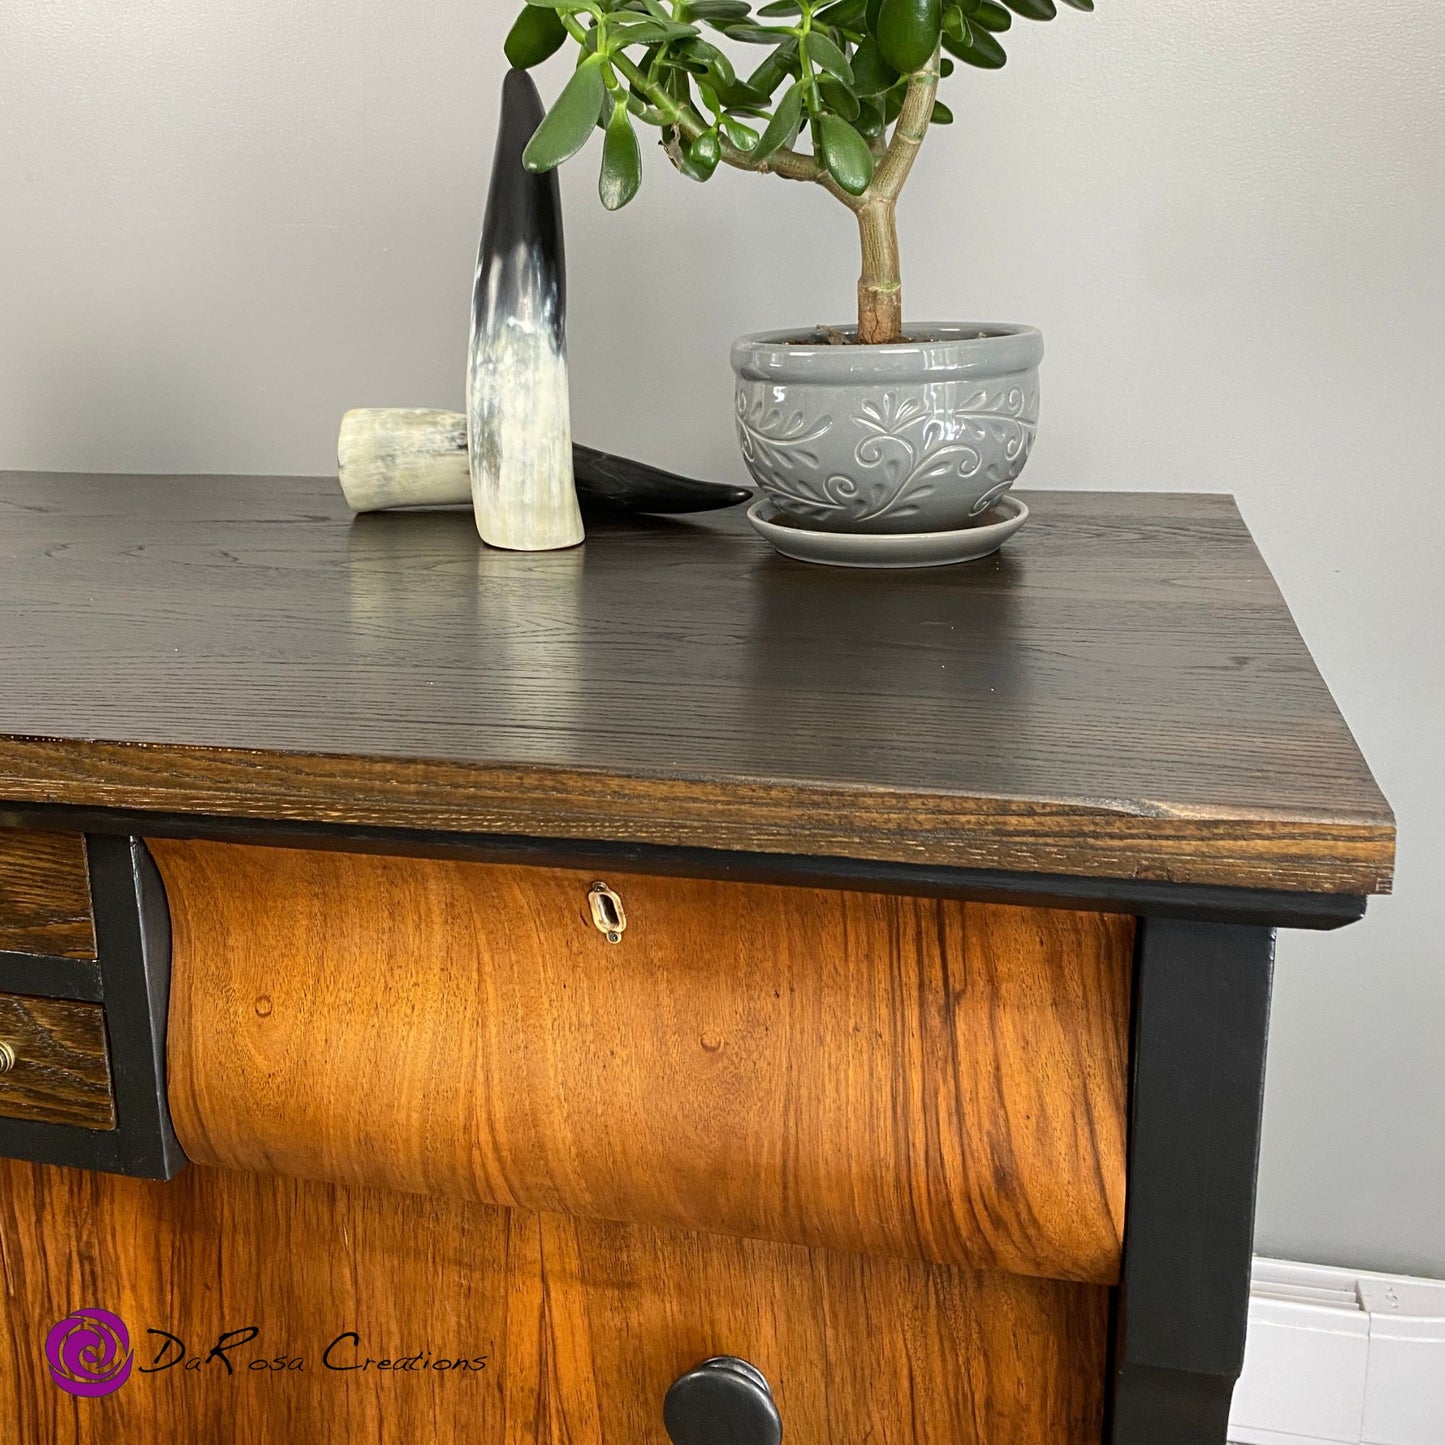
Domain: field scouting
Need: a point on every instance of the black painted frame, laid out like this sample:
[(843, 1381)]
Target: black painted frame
[(1201, 1028)]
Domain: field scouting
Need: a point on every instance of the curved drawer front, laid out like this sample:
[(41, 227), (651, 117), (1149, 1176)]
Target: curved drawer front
[(579, 1326), (893, 1076)]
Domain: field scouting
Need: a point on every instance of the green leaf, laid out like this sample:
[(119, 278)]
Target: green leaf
[(632, 29), (621, 161), (845, 153), (872, 75), (987, 14), (870, 119), (1080, 4), (713, 11), (769, 75), (701, 157), (744, 137), (721, 17), (755, 34), (985, 52), (705, 59), (839, 99), (941, 114), (537, 35), (783, 128), (677, 84), (842, 14), (1033, 9), (567, 7), (908, 32), (778, 67), (826, 56), (741, 96), (781, 7), (956, 27), (569, 124)]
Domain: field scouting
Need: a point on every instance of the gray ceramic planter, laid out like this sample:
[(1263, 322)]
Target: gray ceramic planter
[(921, 437)]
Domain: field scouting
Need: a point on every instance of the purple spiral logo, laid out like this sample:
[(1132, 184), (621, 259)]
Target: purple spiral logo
[(89, 1353)]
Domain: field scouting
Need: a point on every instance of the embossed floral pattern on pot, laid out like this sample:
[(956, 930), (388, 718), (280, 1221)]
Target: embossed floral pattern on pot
[(924, 437)]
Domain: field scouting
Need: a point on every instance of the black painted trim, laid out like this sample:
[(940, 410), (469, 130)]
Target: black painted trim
[(1142, 897), (1201, 1026), (132, 930), (40, 977)]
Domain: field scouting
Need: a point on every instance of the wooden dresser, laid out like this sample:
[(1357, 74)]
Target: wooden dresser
[(452, 995)]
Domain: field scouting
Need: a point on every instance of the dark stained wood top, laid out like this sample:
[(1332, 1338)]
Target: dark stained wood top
[(1121, 694)]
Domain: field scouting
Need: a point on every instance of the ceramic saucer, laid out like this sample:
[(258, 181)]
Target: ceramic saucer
[(905, 549)]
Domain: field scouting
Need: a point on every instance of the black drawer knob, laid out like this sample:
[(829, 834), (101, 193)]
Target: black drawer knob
[(722, 1402)]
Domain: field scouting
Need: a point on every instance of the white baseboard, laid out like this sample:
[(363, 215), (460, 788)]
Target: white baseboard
[(1341, 1357)]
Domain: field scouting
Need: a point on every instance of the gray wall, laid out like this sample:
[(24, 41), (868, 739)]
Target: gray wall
[(222, 224)]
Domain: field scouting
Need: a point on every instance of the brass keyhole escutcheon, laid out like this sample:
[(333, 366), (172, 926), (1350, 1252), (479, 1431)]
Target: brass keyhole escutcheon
[(607, 912), (7, 1058)]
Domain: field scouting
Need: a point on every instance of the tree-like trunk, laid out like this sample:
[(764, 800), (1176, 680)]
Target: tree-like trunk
[(880, 288)]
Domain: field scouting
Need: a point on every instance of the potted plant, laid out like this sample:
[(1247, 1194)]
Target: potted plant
[(878, 428)]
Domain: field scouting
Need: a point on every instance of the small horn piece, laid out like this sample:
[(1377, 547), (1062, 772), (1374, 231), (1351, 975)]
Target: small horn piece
[(399, 457)]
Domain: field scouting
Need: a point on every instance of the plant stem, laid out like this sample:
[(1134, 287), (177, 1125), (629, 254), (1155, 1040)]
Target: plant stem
[(880, 287), (908, 135)]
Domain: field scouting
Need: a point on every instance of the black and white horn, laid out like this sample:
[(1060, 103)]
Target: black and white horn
[(519, 424)]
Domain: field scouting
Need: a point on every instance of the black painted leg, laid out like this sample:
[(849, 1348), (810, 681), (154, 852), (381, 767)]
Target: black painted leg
[(1201, 1020)]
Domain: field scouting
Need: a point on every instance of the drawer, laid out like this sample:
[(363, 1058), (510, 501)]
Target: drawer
[(905, 1077), (54, 1063), (44, 895), (580, 1327)]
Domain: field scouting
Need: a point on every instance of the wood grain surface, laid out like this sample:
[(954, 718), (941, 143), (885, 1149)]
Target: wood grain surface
[(1122, 693), (582, 1326), (44, 894), (61, 1070), (914, 1077)]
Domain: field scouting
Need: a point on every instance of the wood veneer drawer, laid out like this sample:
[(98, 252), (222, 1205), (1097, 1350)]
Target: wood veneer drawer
[(893, 1076), (54, 1063), (582, 1325), (44, 895)]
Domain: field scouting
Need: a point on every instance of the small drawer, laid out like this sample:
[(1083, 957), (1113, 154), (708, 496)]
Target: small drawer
[(45, 895), (54, 1063)]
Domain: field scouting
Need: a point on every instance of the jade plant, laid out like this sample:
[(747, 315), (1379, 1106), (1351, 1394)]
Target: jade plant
[(859, 77)]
